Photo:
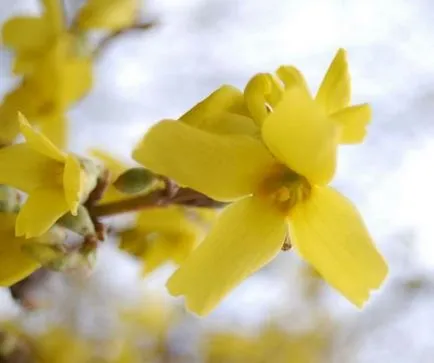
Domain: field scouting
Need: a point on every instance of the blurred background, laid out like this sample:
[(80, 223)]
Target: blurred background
[(283, 313)]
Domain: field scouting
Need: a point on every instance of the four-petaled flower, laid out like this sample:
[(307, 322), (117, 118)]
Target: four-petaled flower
[(56, 182), (278, 179)]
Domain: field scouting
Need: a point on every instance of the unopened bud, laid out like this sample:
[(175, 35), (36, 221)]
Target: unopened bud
[(46, 255), (9, 199), (134, 180), (81, 223), (92, 172)]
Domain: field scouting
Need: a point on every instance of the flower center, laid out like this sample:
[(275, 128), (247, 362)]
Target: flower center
[(284, 188)]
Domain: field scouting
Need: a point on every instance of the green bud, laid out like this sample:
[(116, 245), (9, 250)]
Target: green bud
[(134, 180), (92, 170), (81, 223), (9, 199), (44, 254), (74, 260)]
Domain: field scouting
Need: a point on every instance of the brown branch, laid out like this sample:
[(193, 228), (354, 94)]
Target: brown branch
[(115, 35), (184, 196)]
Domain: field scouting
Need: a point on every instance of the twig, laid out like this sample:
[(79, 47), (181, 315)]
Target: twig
[(184, 196), (113, 36)]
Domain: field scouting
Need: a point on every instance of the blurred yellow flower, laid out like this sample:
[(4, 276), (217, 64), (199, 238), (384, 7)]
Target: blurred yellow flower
[(31, 37), (270, 344), (16, 263), (59, 345), (163, 234), (55, 181), (108, 14), (58, 81), (280, 182), (56, 73), (265, 90)]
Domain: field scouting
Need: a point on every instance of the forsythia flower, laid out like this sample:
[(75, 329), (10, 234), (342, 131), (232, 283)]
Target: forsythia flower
[(58, 345), (163, 234), (55, 181), (108, 14), (16, 264), (280, 184), (282, 346), (56, 73)]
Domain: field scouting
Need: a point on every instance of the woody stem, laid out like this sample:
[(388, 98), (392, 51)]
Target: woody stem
[(183, 196)]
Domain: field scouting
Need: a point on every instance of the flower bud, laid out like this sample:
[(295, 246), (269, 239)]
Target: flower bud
[(9, 199), (134, 180), (81, 223)]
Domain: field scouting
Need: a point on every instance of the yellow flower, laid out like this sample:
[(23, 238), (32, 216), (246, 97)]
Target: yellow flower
[(280, 183), (55, 181), (108, 14), (163, 234), (56, 73), (59, 345), (31, 37), (16, 263), (333, 96), (57, 82)]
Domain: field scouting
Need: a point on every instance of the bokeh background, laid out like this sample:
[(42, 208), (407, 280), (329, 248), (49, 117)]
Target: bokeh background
[(198, 45)]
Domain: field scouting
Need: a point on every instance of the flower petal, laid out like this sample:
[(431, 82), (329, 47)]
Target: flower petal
[(224, 99), (55, 129), (73, 183), (39, 142), (301, 136), (335, 90), (230, 124), (108, 14), (54, 15), (223, 167), (42, 209), (262, 91), (25, 169), (353, 121), (247, 235), (15, 264), (292, 77), (25, 33), (329, 233), (115, 166)]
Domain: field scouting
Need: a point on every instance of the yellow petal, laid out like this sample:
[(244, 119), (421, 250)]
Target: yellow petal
[(224, 99), (292, 77), (171, 219), (230, 124), (114, 165), (25, 169), (247, 235), (301, 136), (56, 130), (262, 91), (39, 142), (15, 264), (43, 208), (335, 90), (108, 14), (222, 167), (329, 233), (54, 15), (77, 78), (73, 183), (24, 33), (353, 120)]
